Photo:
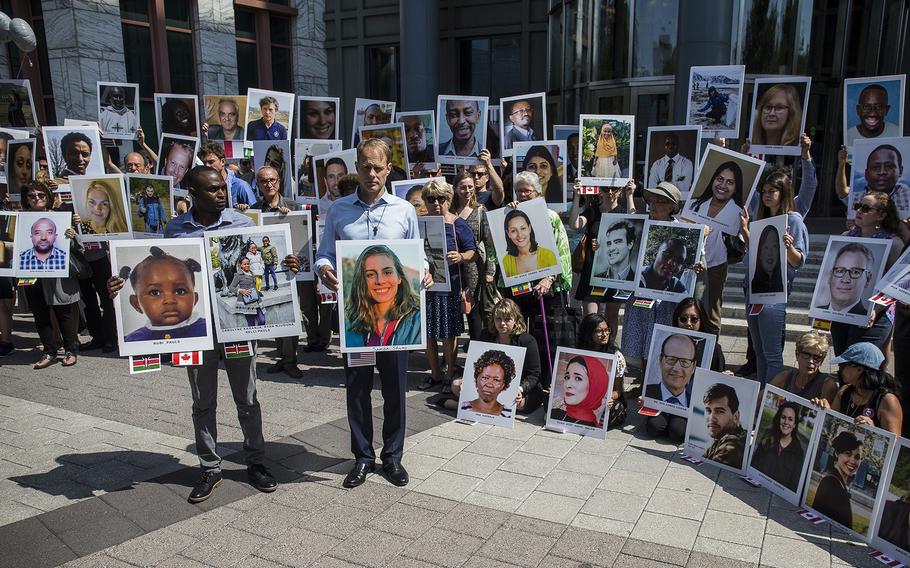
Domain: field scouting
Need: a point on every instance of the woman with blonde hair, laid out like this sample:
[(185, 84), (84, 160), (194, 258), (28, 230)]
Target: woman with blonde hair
[(778, 117), (104, 210), (807, 380)]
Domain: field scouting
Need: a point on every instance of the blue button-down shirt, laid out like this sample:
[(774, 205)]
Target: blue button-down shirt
[(349, 219), (187, 226), (56, 260), (241, 192), (257, 130)]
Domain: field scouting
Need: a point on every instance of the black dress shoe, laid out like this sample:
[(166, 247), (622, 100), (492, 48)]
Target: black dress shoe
[(204, 487), (314, 348), (359, 474), (91, 345), (275, 368), (260, 478), (293, 371), (396, 473)]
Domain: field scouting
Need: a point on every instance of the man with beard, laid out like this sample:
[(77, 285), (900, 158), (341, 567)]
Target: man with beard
[(228, 116), (677, 367), (267, 127), (872, 108), (722, 419), (672, 167), (618, 244), (416, 138), (520, 116), (43, 255), (493, 373), (662, 273), (462, 117), (884, 170), (335, 169), (117, 118)]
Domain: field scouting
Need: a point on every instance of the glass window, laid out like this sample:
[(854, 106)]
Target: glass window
[(245, 24), (281, 69), (771, 35), (611, 39), (654, 38), (492, 66), (134, 10), (183, 71), (382, 72), (281, 30), (556, 39), (577, 42), (263, 35), (177, 13), (247, 66), (138, 55)]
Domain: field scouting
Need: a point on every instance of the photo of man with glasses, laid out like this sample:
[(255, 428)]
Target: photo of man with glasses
[(872, 109), (676, 362), (848, 278), (520, 115)]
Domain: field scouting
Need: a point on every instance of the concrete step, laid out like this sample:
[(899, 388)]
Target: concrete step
[(735, 282), (798, 299), (733, 327), (795, 315), (807, 272)]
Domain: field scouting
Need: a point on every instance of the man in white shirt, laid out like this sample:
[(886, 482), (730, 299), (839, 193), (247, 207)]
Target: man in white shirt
[(672, 167)]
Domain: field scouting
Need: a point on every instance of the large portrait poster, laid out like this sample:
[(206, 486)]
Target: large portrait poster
[(317, 117), (394, 137), (17, 106), (225, 116), (461, 130), (8, 135), (492, 375), (41, 244), (666, 266), (244, 308), (873, 108), (779, 115), (783, 443), (569, 133), (277, 154), (524, 242), (768, 261), (715, 97), (118, 110), (878, 165), (178, 154), (607, 149), (675, 355), (896, 282), (370, 112), (892, 526), (433, 233), (328, 169), (177, 114), (72, 150), (8, 243), (381, 300), (102, 204), (720, 419), (619, 240), (671, 155), (850, 268), (582, 386), (269, 115), (845, 480), (546, 159), (301, 226), (149, 203), (304, 152), (724, 183), (164, 305), (420, 135), (524, 119), (20, 165)]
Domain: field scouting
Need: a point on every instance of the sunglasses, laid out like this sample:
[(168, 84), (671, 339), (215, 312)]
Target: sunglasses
[(688, 319), (865, 208), (435, 199)]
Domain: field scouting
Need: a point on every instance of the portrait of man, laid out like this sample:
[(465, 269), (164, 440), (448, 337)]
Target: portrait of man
[(677, 362), (267, 126), (462, 117), (572, 153), (43, 254), (176, 158), (117, 115), (883, 171), (871, 115), (494, 371), (619, 243), (519, 129), (228, 128), (671, 166), (728, 438), (72, 151), (663, 272), (849, 275), (335, 169), (369, 112), (420, 146)]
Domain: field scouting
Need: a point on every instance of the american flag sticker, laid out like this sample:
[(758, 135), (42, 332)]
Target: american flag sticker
[(186, 358), (144, 364), (362, 359), (238, 350)]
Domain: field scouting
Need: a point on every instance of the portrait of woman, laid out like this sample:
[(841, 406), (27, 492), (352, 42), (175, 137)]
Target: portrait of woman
[(177, 117), (779, 454), (606, 155), (778, 117), (21, 164), (722, 197), (317, 119), (832, 498), (523, 254), (381, 308), (103, 209), (540, 161), (767, 277), (15, 116), (585, 388)]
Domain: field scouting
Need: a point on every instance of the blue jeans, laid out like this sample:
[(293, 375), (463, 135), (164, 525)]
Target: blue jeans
[(766, 330), (270, 269)]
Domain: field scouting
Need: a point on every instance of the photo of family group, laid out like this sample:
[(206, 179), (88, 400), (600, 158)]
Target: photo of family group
[(253, 294), (878, 165), (370, 112), (546, 159), (847, 277), (150, 203), (715, 99), (525, 120), (666, 267), (225, 117), (177, 114), (606, 149), (582, 387), (524, 242), (102, 205), (118, 110), (72, 150), (674, 357), (381, 297), (721, 413), (873, 108), (269, 115), (671, 155), (778, 116), (845, 482), (461, 129), (164, 305), (619, 242), (420, 136), (317, 117), (489, 387), (723, 186)]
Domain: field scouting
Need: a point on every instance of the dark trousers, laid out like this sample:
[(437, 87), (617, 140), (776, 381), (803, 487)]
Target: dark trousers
[(67, 319), (901, 352), (393, 376), (99, 308), (317, 317)]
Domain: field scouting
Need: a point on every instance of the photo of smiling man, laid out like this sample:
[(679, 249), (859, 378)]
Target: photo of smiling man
[(878, 165), (851, 267), (677, 352), (617, 249), (461, 134), (666, 267), (873, 108), (490, 384)]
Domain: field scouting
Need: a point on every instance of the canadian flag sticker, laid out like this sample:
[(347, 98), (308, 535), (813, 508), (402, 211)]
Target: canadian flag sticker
[(186, 358)]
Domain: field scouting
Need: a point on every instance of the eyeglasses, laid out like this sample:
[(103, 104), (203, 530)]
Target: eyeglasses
[(672, 361), (775, 109), (36, 195), (688, 319), (435, 199), (865, 208), (525, 111), (806, 356), (478, 174), (602, 331), (854, 273), (876, 107), (269, 181)]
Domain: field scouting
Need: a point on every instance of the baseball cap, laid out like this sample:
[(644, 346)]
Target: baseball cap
[(667, 190), (863, 353)]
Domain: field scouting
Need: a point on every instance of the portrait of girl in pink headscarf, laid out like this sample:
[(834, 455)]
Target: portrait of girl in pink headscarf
[(585, 387)]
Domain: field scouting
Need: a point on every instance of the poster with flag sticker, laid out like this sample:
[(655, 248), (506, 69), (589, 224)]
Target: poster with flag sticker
[(186, 358), (144, 364)]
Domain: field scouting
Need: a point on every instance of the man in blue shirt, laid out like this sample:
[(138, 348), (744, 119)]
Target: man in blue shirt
[(43, 255), (242, 195), (372, 213), (208, 190), (266, 128)]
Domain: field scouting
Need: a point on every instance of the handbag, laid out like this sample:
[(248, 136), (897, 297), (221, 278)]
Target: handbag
[(250, 298), (487, 299), (580, 255)]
